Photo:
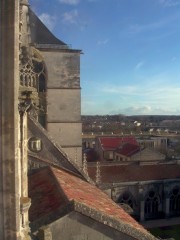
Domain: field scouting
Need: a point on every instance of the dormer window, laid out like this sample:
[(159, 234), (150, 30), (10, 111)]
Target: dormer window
[(35, 144)]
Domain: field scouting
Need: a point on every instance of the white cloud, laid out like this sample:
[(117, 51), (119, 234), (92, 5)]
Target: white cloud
[(132, 110), (70, 17), (70, 2), (48, 20), (146, 110), (151, 90), (137, 28), (139, 65), (169, 3), (155, 95), (127, 90), (103, 42)]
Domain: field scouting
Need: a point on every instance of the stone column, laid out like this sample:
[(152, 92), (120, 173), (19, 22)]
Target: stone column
[(167, 207), (10, 188), (141, 211), (141, 200), (166, 201)]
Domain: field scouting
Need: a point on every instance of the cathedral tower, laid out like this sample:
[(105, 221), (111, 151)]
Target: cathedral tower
[(14, 201)]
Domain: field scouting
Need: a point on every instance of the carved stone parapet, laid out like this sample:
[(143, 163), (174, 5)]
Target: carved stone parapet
[(98, 173)]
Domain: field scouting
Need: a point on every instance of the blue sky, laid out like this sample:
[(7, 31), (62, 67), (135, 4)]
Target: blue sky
[(131, 60)]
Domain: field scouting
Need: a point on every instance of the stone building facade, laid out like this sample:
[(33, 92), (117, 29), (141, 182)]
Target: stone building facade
[(151, 191), (53, 81)]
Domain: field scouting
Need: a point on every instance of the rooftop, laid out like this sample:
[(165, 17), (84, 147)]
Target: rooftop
[(130, 173), (111, 143), (128, 149), (40, 34), (53, 188)]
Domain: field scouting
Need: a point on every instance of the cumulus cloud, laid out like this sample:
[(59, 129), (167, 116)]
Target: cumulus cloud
[(48, 20), (169, 3), (155, 95), (70, 2), (145, 110), (70, 17), (133, 110)]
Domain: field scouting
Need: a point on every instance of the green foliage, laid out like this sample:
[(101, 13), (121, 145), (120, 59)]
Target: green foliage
[(167, 232)]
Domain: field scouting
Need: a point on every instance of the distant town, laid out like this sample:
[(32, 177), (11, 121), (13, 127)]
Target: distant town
[(143, 128), (140, 124)]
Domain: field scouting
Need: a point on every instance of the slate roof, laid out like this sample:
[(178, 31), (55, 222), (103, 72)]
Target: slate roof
[(111, 143), (51, 153), (128, 173), (53, 188), (40, 34), (128, 149)]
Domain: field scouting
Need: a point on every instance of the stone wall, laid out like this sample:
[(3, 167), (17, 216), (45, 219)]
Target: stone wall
[(64, 99), (78, 226), (63, 105), (138, 192)]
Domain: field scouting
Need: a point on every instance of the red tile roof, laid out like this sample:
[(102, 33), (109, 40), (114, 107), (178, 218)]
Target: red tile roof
[(128, 149), (44, 195), (111, 143), (51, 188), (127, 173)]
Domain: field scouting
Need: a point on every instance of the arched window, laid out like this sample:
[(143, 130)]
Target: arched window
[(174, 201), (151, 205), (126, 198), (33, 77), (41, 74)]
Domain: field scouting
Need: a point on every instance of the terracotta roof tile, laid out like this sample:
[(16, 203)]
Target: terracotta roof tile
[(51, 188), (76, 189), (44, 195), (128, 149), (111, 143), (127, 173)]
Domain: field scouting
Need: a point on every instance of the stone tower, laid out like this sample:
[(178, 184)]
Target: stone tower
[(50, 73), (59, 88), (14, 201)]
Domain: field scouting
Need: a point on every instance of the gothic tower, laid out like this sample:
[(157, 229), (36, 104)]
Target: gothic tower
[(14, 201), (50, 73), (59, 88)]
